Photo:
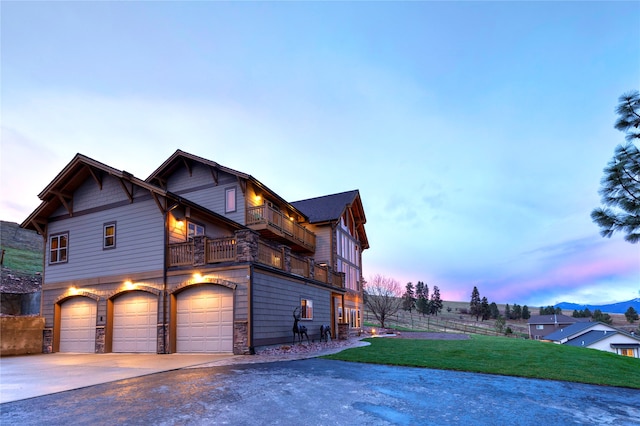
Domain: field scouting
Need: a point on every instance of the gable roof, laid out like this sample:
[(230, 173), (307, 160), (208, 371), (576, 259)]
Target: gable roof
[(553, 319), (570, 330), (590, 337), (330, 208), (184, 159), (60, 191)]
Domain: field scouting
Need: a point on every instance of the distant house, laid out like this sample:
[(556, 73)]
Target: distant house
[(597, 335), (541, 325), (198, 257)]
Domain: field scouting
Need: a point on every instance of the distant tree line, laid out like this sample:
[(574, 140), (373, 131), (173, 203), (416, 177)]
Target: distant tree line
[(418, 298), (550, 310), (482, 309), (631, 315)]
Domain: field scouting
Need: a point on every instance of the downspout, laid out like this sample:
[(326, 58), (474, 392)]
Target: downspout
[(252, 350), (165, 217)]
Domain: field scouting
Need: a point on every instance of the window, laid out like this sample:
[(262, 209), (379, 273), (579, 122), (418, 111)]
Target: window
[(109, 235), (539, 327), (194, 230), (306, 309), (58, 246), (230, 200), (626, 352)]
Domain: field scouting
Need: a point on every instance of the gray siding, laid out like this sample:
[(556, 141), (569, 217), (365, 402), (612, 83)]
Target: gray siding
[(274, 299), (237, 276), (139, 237), (200, 188)]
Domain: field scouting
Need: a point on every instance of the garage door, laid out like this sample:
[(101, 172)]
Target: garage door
[(78, 325), (135, 322), (204, 319)]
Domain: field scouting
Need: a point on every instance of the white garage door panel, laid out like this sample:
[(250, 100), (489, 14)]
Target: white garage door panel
[(135, 317), (205, 320), (78, 325)]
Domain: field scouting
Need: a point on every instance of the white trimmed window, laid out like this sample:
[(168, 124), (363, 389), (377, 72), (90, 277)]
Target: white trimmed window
[(58, 248), (539, 327), (194, 230), (230, 200), (109, 235), (306, 309)]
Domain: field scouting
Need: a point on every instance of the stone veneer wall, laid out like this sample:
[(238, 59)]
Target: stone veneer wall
[(241, 338)]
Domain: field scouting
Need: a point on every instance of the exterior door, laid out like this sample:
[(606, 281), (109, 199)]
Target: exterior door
[(135, 322), (204, 320), (78, 325)]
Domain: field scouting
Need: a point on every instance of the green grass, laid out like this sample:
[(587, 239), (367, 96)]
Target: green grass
[(500, 355), (21, 260)]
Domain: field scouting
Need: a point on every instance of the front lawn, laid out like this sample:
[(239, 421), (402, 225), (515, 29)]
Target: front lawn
[(500, 355)]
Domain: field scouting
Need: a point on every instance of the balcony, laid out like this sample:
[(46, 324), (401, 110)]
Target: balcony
[(274, 225), (206, 251)]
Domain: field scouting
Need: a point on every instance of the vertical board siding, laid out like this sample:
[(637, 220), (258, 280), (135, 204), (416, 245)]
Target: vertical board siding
[(275, 298), (323, 244)]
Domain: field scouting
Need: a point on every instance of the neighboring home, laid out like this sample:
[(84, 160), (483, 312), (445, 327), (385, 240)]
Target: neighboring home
[(598, 335), (541, 325), (195, 258)]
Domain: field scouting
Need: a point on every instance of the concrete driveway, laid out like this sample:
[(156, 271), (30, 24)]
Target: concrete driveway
[(29, 376)]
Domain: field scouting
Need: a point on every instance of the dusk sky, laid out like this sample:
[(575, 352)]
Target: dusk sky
[(476, 132)]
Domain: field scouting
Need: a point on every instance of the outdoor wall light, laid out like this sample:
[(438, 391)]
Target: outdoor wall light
[(197, 278), (129, 285), (73, 291)]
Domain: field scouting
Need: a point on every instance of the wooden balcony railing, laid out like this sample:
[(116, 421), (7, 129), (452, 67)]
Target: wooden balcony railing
[(215, 250), (265, 217), (299, 266), (180, 254), (221, 250), (269, 256)]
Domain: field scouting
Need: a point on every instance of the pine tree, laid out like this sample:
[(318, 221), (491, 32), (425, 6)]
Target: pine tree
[(484, 309), (475, 303), (525, 312), (631, 314), (620, 185), (408, 298), (516, 312), (495, 312), (422, 303), (436, 302)]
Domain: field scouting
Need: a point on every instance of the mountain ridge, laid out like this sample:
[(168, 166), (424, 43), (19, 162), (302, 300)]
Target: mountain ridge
[(611, 308)]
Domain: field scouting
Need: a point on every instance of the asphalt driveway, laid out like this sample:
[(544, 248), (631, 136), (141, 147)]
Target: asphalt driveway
[(326, 392)]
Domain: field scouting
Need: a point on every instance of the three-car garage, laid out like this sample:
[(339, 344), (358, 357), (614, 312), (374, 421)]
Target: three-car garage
[(201, 317)]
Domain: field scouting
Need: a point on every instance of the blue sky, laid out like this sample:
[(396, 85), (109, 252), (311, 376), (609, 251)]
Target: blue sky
[(476, 132)]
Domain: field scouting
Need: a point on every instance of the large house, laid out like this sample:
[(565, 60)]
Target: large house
[(542, 325), (597, 335), (196, 258)]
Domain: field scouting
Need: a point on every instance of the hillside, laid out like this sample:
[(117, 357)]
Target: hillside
[(21, 259)]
